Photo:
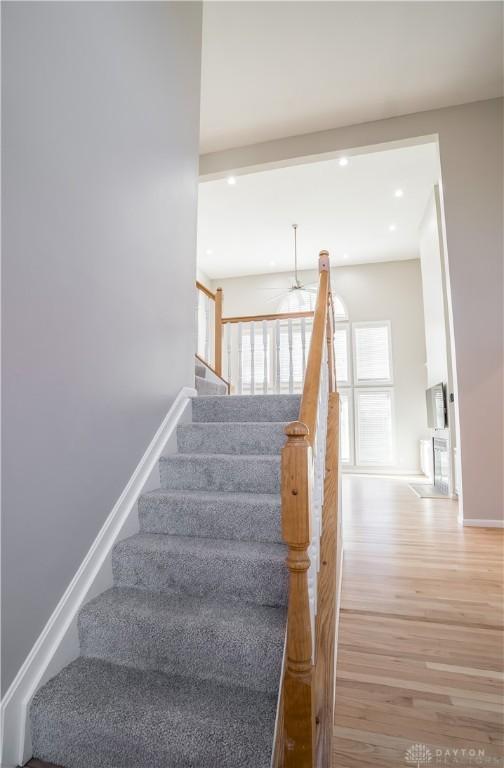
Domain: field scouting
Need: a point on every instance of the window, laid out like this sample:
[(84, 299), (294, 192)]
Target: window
[(297, 343), (340, 312), (374, 426), (341, 354), (346, 426), (256, 368), (299, 300), (372, 353), (304, 300), (204, 311)]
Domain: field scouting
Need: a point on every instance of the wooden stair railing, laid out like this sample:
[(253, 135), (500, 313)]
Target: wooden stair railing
[(310, 527), (265, 354), (224, 381), (217, 298)]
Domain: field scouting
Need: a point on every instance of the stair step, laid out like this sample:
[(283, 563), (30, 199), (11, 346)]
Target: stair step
[(220, 472), (241, 516), (207, 388), (200, 370), (104, 715), (247, 408), (249, 571), (245, 437), (173, 633)]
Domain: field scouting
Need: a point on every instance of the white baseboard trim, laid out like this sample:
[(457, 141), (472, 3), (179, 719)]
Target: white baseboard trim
[(58, 642), (385, 471), (475, 523)]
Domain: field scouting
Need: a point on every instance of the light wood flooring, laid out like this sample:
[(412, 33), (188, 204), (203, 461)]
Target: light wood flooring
[(420, 649)]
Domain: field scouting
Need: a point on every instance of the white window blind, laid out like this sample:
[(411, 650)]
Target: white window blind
[(374, 427), (298, 357), (345, 427), (372, 353), (341, 356), (253, 373), (205, 313)]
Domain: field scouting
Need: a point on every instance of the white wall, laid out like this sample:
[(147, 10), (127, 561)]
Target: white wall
[(387, 291), (100, 107), (433, 301), (203, 278), (471, 152), (436, 313)]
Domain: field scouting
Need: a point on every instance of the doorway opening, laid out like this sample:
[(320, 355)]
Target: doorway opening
[(378, 212)]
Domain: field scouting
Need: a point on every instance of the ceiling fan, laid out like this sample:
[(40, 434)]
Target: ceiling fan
[(297, 285)]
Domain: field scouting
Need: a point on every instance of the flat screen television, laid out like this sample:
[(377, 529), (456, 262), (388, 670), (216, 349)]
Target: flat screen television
[(436, 407)]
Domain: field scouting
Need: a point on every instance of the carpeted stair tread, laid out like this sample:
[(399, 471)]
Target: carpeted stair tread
[(207, 388), (250, 571), (94, 714), (220, 472), (246, 408), (209, 638), (241, 516), (180, 660), (233, 437)]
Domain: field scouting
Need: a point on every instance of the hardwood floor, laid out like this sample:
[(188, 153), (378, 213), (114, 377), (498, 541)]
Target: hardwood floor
[(420, 649)]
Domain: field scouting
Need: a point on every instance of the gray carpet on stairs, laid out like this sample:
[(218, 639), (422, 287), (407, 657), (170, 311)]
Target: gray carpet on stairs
[(206, 388), (180, 660)]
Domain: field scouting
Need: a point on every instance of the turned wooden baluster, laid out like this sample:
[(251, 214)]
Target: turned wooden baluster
[(330, 347), (298, 693)]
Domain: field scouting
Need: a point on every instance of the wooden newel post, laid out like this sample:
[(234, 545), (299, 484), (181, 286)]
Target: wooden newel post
[(218, 332), (298, 693)]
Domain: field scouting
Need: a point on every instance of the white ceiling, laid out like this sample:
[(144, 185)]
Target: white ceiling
[(246, 228), (275, 69)]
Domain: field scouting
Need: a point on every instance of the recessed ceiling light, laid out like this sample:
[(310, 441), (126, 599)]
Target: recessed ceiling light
[(231, 180), (392, 228), (209, 252), (272, 263), (345, 255), (399, 193), (343, 161)]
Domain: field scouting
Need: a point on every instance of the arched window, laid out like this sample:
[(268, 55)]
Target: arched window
[(304, 301), (299, 300), (340, 311)]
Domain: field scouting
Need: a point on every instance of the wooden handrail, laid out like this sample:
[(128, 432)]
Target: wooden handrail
[(328, 593), (311, 388), (260, 318), (217, 298), (304, 729), (205, 290)]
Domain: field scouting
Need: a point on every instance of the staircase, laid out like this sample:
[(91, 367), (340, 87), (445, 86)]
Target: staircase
[(181, 659), (182, 662), (204, 386)]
